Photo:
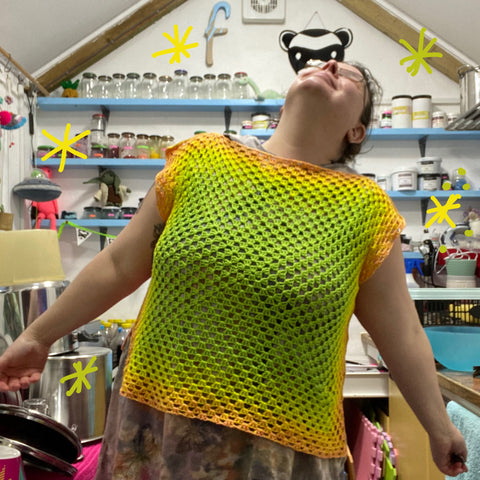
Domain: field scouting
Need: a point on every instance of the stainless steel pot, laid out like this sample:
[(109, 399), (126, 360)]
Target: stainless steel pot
[(469, 80), (20, 305), (83, 409)]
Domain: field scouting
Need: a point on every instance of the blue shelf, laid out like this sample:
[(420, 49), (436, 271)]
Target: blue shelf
[(397, 134), (419, 194), (168, 105), (157, 163)]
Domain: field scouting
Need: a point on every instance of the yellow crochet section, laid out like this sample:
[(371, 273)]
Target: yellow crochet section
[(253, 284)]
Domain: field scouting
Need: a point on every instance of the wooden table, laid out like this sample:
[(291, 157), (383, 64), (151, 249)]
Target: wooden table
[(462, 387)]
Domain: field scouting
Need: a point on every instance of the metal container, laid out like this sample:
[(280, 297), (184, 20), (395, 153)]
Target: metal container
[(20, 305), (469, 80), (80, 406)]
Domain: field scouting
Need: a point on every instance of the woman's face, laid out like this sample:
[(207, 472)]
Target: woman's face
[(333, 92)]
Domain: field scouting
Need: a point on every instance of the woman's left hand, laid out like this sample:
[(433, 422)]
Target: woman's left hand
[(449, 452)]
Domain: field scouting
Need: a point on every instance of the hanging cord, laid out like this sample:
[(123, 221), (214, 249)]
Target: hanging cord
[(315, 13)]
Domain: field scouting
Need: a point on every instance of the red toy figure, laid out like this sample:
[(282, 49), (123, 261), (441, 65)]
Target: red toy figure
[(45, 210)]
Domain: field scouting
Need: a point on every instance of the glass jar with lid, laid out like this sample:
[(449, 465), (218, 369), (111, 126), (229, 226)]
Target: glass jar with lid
[(167, 141), (240, 85), (117, 82), (127, 145), (209, 80), (164, 89), (179, 84), (223, 86), (155, 146), (103, 88), (142, 146), (195, 88), (148, 85), (98, 122), (130, 87), (87, 85), (113, 145)]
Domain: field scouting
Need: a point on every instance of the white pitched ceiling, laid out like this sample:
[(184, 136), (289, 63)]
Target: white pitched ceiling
[(454, 21), (36, 32)]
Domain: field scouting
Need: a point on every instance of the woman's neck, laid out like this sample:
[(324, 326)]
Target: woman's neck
[(312, 145)]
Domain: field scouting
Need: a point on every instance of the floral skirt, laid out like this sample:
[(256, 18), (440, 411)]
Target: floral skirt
[(142, 443)]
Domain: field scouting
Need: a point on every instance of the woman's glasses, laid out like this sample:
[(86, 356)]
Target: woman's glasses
[(354, 75)]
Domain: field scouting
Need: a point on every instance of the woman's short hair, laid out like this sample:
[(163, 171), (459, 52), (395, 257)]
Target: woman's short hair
[(373, 94)]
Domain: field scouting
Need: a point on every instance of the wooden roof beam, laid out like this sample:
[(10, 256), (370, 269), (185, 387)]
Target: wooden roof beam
[(107, 42), (396, 29)]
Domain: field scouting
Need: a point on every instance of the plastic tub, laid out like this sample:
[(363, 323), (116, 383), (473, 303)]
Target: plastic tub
[(404, 179), (429, 181), (454, 346), (429, 165)]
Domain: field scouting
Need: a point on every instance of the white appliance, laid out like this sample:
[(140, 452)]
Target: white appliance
[(263, 11)]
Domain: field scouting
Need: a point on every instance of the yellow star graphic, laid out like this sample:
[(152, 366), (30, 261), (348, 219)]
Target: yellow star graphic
[(442, 210), (81, 376), (64, 146), (419, 56), (179, 45)]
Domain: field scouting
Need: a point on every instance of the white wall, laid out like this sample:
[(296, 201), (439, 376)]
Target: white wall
[(254, 49)]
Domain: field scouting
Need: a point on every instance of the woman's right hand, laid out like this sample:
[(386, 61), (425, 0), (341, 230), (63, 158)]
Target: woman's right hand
[(22, 363)]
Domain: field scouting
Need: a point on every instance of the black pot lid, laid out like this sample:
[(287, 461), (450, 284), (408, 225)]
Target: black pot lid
[(39, 458), (40, 432)]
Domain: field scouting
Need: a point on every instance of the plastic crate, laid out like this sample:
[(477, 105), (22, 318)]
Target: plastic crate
[(448, 312)]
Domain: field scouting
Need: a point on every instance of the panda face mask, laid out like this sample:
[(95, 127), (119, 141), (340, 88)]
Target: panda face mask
[(315, 44)]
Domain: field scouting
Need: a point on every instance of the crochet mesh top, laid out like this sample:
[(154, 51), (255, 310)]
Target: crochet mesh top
[(254, 280)]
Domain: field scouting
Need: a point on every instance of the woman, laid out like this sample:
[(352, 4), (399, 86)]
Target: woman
[(260, 256)]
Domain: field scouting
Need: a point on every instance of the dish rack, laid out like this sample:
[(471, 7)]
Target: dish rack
[(447, 306)]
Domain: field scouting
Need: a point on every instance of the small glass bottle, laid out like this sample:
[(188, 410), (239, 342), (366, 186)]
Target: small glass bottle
[(117, 82), (87, 85), (130, 87), (164, 89), (223, 87), (148, 86), (103, 88), (386, 121), (240, 86), (209, 86), (97, 138), (127, 145), (113, 145), (167, 141), (155, 146), (81, 145), (179, 84), (98, 122), (195, 90), (142, 146)]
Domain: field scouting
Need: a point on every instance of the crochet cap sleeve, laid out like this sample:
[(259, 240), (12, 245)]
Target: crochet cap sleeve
[(165, 179), (387, 226)]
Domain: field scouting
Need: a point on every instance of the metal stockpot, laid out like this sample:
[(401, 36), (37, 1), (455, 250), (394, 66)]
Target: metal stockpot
[(20, 305), (469, 80), (82, 409)]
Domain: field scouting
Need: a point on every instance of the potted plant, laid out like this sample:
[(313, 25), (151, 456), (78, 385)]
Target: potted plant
[(6, 219)]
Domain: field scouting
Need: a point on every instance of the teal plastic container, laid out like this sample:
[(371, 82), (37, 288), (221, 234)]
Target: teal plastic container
[(454, 346)]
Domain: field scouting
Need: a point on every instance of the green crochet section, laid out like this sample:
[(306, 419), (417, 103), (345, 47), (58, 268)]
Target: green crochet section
[(253, 285)]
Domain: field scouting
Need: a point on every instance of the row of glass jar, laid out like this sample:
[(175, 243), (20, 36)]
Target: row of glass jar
[(114, 145), (129, 145), (180, 85)]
